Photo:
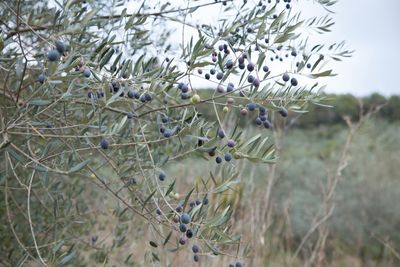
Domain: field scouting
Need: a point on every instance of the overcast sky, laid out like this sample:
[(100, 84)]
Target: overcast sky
[(370, 27)]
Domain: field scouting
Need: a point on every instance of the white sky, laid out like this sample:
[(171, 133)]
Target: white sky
[(370, 27)]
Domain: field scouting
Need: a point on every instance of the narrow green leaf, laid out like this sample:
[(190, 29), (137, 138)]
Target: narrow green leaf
[(79, 166), (167, 238), (39, 102), (148, 198), (170, 188), (67, 258)]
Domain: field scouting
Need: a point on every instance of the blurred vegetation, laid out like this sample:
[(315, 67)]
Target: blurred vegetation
[(341, 105), (365, 211), (363, 228), (348, 105)]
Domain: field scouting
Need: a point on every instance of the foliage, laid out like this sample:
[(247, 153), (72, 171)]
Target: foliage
[(364, 216), (364, 219), (92, 112), (349, 105)]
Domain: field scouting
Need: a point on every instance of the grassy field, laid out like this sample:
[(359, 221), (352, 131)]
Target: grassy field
[(356, 225)]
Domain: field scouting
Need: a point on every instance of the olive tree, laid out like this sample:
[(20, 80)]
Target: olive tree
[(99, 99)]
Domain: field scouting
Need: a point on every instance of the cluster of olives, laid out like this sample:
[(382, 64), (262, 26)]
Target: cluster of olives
[(184, 88), (196, 250), (264, 6), (115, 86), (261, 119), (262, 115), (237, 264), (54, 55), (168, 132), (98, 94), (198, 202), (183, 220), (249, 66), (286, 78), (185, 92), (227, 155)]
